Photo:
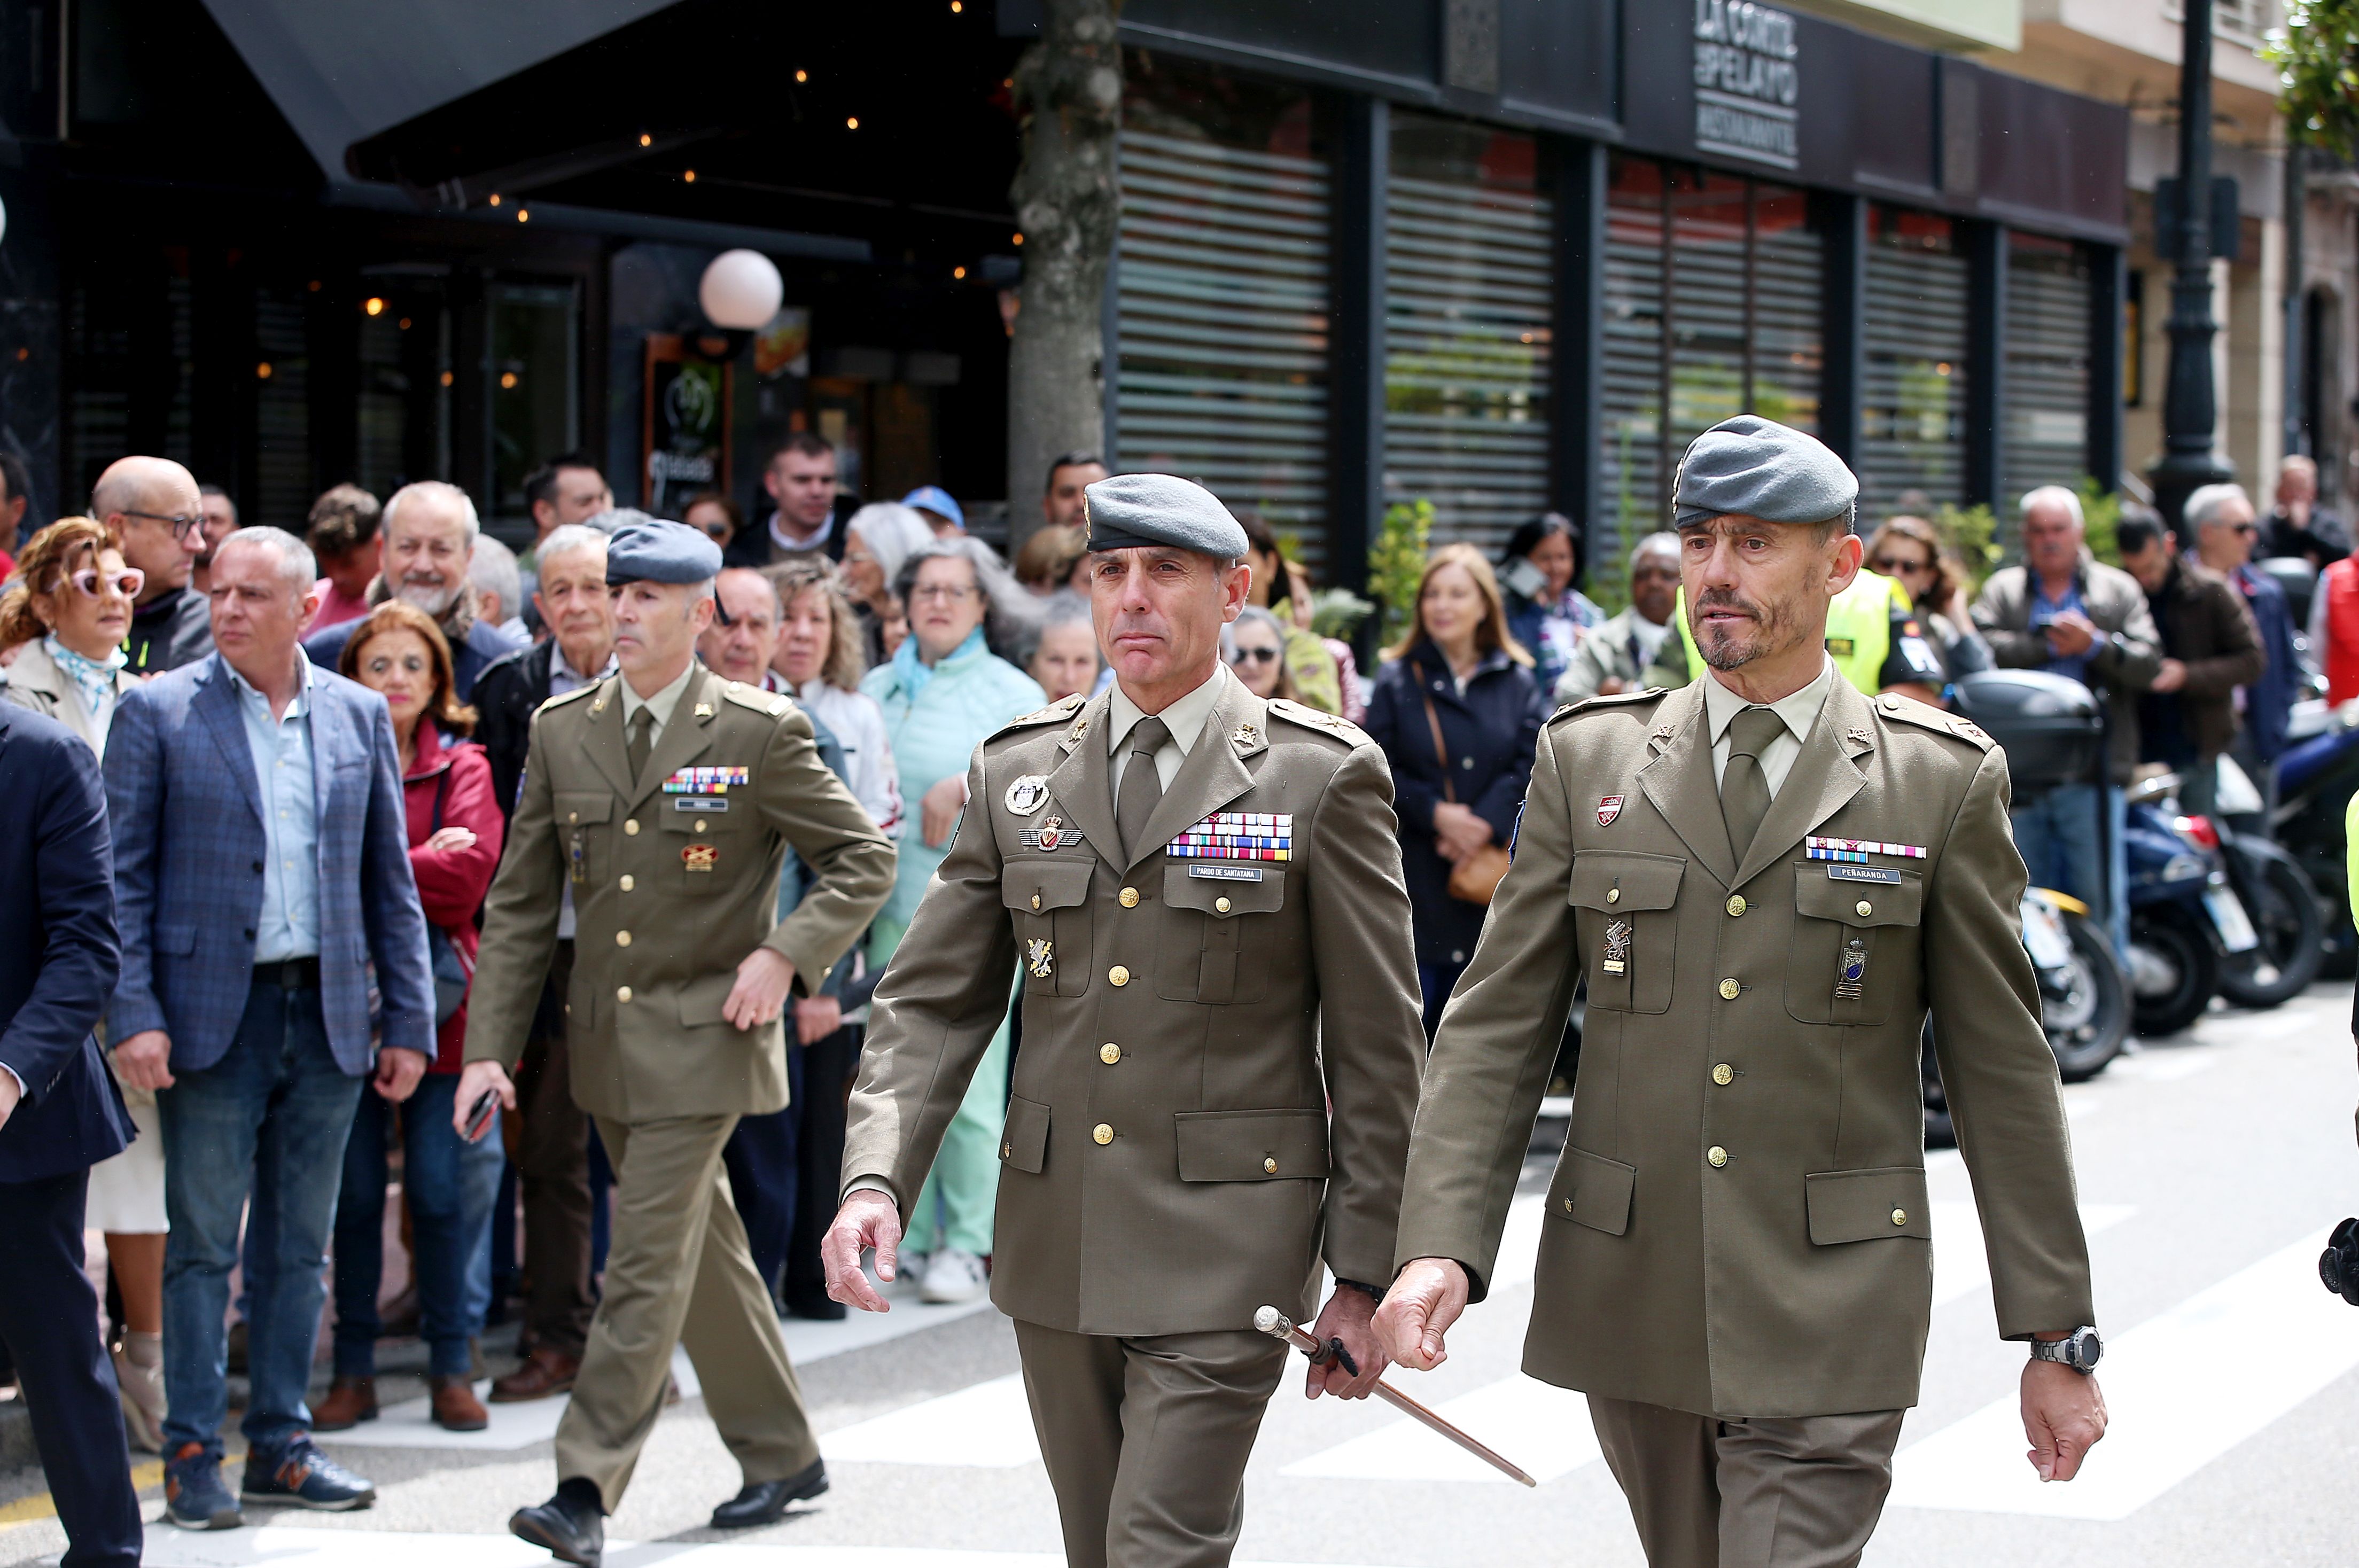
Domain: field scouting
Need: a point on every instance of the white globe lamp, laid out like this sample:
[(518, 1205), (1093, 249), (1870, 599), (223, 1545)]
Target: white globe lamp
[(740, 291)]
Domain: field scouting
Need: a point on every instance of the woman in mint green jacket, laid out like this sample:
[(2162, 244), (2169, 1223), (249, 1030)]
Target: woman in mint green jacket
[(943, 693)]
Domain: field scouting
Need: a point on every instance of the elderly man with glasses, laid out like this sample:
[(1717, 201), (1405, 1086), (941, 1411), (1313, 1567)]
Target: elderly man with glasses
[(152, 505), (2226, 531), (430, 533)]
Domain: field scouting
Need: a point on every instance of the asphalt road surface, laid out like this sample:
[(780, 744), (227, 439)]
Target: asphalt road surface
[(2211, 1167)]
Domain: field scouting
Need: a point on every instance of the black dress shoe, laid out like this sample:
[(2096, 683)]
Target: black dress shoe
[(764, 1502), (570, 1525)]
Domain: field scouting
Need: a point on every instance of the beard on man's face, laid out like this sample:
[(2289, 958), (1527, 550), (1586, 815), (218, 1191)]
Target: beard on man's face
[(1732, 649), (434, 596)]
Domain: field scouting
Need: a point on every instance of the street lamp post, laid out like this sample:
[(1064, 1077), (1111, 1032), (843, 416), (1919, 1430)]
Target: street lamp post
[(2191, 405)]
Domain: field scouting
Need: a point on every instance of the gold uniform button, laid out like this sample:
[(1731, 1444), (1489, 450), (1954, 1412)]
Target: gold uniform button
[(1865, 908), (573, 818), (1269, 1165), (627, 884), (1715, 1157), (622, 993), (1130, 898), (699, 824), (1109, 1053), (1119, 977), (622, 939), (1729, 989), (1723, 1074), (631, 827), (1006, 1149), (1568, 1206), (1221, 905), (1613, 895), (1901, 1216), (1035, 901), (1103, 1134), (1736, 905)]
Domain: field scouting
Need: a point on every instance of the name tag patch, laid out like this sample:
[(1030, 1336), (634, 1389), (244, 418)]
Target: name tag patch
[(1863, 874), (1217, 872), (699, 803)]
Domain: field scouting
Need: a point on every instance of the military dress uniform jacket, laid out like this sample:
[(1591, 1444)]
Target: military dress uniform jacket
[(1169, 1163), (1738, 1227), (671, 890)]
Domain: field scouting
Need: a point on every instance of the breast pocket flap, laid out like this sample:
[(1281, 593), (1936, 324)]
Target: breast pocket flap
[(1224, 891), (1251, 1146), (1819, 897), (1863, 1205), (572, 809), (1594, 1191), (1040, 886), (1024, 1145), (1618, 882)]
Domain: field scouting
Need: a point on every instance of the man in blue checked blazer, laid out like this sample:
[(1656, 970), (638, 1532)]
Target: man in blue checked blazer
[(262, 867)]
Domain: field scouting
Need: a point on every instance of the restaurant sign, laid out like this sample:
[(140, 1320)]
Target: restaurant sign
[(1747, 82)]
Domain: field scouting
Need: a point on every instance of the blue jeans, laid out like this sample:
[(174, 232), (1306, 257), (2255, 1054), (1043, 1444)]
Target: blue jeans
[(450, 1183), (2055, 834), (269, 1117)]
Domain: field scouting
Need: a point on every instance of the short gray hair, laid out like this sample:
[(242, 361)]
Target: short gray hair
[(2205, 500), (470, 525), (892, 532), (1668, 544), (615, 519), (567, 539), (2061, 495), (296, 566), (493, 570)]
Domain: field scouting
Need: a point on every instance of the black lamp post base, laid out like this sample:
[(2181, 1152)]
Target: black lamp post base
[(2179, 475)]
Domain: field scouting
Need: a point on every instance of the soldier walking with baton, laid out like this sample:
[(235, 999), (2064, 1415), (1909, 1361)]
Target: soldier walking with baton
[(1768, 880), (1205, 892)]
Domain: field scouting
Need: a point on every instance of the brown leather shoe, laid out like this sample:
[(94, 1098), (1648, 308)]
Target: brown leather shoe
[(545, 1372), (456, 1409), (349, 1402)]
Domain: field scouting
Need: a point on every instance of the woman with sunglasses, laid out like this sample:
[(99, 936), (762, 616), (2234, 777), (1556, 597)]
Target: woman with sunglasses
[(63, 617), (715, 516), (1255, 646), (1908, 550)]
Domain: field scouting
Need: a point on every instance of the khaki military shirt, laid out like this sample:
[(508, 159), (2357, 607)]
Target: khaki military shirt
[(1738, 1225), (675, 879), (1221, 1037)]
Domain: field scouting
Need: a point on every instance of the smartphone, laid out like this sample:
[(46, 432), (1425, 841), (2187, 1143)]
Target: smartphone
[(1525, 578), (479, 1117)]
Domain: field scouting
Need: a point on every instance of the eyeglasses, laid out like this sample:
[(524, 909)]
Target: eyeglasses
[(183, 528), (1891, 567), (718, 530), (947, 593), (1257, 655), (127, 582), (2243, 530)]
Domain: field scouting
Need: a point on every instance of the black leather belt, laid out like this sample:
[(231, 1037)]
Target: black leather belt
[(289, 973)]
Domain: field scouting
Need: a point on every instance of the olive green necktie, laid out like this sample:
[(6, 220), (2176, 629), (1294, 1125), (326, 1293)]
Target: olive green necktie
[(641, 741), (1142, 786), (1743, 793)]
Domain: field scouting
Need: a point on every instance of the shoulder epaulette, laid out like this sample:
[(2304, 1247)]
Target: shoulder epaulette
[(1312, 718), (770, 703), (1934, 719), (564, 697), (1056, 713), (1616, 699)]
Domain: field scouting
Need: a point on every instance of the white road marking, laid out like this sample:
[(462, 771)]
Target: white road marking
[(297, 1546), (987, 1425), (1543, 1428), (2181, 1389), (2162, 1066), (1960, 1264)]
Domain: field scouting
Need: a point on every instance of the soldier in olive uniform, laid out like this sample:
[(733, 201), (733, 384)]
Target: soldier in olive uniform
[(1205, 892), (667, 797), (1768, 877)]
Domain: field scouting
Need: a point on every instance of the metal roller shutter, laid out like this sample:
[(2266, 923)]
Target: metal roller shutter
[(1913, 408), (1630, 423), (1469, 302), (2046, 385)]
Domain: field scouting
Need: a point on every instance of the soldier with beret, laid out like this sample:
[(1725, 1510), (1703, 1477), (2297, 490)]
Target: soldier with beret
[(1221, 1043), (1768, 878), (666, 798)]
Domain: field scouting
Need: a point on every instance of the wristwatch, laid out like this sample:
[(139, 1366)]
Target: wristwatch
[(2080, 1350)]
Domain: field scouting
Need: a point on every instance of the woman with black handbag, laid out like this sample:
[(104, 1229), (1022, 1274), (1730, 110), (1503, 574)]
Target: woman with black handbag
[(1458, 713)]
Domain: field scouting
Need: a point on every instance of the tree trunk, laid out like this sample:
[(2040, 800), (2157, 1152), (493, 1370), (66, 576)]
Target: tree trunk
[(1067, 201)]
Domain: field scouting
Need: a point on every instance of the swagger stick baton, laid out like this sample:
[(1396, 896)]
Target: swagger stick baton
[(1278, 1325)]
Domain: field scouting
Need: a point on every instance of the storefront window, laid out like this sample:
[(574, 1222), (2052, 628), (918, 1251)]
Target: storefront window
[(533, 378), (1223, 292), (1469, 298), (2046, 385), (1913, 406)]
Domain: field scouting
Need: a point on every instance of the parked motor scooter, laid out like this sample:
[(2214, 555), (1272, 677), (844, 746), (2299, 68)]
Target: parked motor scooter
[(2286, 912), (2186, 922)]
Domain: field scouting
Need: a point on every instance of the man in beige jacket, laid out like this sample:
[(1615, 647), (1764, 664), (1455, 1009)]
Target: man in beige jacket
[(1768, 877)]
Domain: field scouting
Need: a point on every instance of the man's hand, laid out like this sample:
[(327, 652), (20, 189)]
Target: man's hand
[(867, 1219), (2171, 677), (2071, 634), (1611, 686), (1347, 1315), (938, 809), (448, 839), (816, 1018), (144, 1060), (1419, 1310), (2063, 1415), (473, 1079), (764, 979), (9, 1095), (397, 1073)]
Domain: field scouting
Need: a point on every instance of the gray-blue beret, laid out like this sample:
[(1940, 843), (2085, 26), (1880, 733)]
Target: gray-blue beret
[(1764, 470), (659, 551), (1134, 509)]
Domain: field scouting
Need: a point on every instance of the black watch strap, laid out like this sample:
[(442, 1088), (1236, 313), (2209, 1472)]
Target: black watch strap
[(1377, 1292)]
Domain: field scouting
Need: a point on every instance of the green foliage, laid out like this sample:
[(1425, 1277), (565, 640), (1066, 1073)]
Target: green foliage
[(1338, 612), (1609, 580), (1972, 533), (2101, 510), (2317, 56), (1396, 562)]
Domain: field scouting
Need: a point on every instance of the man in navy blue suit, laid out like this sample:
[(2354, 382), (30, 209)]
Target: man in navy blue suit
[(262, 867), (60, 1115)]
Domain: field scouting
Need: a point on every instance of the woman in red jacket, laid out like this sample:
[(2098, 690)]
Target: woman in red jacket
[(455, 829)]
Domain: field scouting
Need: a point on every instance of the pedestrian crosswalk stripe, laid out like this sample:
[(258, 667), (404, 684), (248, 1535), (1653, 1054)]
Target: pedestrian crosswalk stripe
[(987, 1425), (1543, 1428), (2181, 1389)]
